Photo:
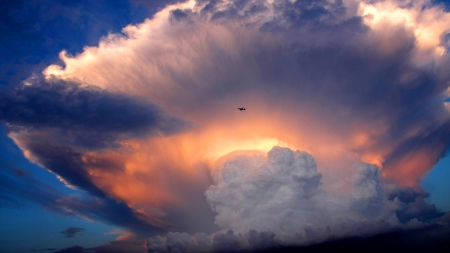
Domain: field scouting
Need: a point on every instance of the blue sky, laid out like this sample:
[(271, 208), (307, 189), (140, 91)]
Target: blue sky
[(35, 206), (436, 184)]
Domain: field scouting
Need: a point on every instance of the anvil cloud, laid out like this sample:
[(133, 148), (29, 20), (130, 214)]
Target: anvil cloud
[(148, 118)]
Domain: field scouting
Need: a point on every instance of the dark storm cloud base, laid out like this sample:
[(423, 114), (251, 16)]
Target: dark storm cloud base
[(58, 121)]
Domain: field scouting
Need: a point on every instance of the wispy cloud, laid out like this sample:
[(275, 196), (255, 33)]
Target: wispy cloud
[(72, 232)]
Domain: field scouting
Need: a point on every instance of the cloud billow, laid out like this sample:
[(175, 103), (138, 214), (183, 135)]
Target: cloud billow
[(283, 195), (264, 203)]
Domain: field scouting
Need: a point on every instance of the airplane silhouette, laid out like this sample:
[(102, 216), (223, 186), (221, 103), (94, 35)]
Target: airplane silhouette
[(241, 108)]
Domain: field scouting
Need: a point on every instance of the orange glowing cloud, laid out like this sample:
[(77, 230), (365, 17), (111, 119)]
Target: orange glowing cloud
[(340, 99)]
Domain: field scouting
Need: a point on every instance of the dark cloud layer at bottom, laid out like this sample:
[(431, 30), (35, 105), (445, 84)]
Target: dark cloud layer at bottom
[(427, 240), (433, 239)]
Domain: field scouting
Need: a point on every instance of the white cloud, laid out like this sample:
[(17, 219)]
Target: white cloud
[(283, 198), (283, 194)]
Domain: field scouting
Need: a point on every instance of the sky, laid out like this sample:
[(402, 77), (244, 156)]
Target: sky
[(120, 128)]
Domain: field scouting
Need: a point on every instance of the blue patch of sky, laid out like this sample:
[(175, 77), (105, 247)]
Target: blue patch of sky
[(437, 183), (23, 229)]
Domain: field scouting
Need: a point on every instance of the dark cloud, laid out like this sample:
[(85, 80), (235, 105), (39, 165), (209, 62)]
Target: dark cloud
[(179, 242), (68, 164), (229, 242), (130, 244), (316, 13), (106, 210), (20, 172), (83, 116), (73, 249), (180, 16), (239, 9), (56, 121), (433, 239), (421, 240), (413, 205), (72, 231)]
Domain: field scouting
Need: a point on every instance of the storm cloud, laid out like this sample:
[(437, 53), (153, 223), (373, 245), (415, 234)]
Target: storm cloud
[(147, 121), (375, 80), (58, 122), (82, 116)]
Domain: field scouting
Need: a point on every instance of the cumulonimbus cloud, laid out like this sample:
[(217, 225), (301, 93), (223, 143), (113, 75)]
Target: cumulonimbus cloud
[(345, 81), (371, 71), (280, 200)]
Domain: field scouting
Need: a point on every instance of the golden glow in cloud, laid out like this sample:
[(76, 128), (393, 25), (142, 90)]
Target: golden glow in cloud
[(202, 71)]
